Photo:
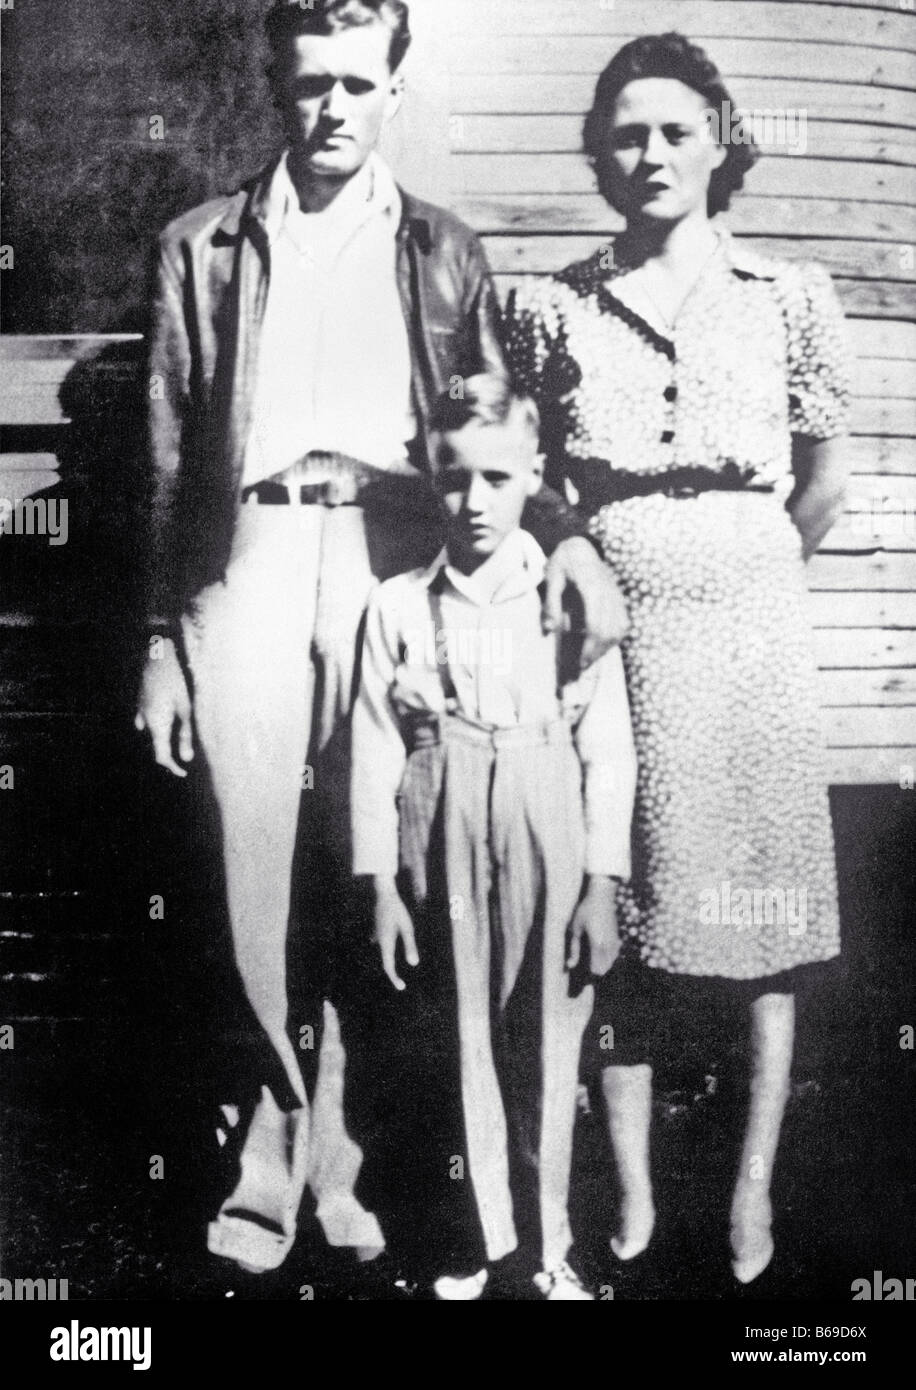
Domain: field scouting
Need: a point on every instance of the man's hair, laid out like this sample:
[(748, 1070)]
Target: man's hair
[(289, 18), (484, 399), (666, 55)]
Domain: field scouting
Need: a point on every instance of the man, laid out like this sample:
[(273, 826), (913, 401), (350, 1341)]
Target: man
[(302, 330)]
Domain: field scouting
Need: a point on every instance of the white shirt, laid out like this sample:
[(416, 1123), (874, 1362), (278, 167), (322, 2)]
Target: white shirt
[(334, 367), (504, 671)]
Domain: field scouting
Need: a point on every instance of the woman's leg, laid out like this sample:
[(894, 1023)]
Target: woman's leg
[(772, 1035), (628, 1098)]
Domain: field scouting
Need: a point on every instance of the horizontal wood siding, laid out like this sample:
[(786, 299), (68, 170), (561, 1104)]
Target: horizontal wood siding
[(69, 410), (492, 127), (523, 76)]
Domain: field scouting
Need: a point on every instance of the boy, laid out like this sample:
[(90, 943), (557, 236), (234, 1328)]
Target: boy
[(504, 796)]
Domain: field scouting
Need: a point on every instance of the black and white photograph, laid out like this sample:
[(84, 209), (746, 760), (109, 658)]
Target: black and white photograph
[(458, 666)]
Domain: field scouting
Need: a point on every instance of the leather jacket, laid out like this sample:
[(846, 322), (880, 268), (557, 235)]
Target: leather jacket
[(208, 306)]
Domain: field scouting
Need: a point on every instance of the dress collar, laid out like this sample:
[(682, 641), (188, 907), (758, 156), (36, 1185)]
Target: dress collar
[(741, 259), (593, 279), (744, 261)]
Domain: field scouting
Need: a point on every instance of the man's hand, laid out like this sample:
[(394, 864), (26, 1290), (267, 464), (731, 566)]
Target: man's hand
[(596, 919), (576, 565), (164, 699), (392, 923)]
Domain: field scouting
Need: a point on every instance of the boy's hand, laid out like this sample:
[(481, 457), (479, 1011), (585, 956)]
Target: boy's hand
[(596, 919), (392, 923)]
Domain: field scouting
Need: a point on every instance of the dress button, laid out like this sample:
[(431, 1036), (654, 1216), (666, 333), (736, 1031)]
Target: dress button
[(670, 393), (667, 436)]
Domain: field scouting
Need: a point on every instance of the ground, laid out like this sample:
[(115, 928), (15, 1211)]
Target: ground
[(86, 1105)]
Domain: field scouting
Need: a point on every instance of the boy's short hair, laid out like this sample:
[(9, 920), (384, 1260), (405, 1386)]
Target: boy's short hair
[(289, 18), (486, 399)]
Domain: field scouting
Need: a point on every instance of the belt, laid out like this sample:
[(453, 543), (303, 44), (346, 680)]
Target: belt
[(329, 479), (599, 484), (332, 493), (424, 729)]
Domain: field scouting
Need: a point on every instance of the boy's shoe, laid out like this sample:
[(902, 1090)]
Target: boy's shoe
[(560, 1284), (383, 1278), (452, 1289)]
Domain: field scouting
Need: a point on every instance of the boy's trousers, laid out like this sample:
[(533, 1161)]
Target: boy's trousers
[(493, 844), (272, 652)]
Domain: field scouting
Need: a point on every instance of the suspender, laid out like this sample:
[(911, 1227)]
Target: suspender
[(445, 670), (441, 645)]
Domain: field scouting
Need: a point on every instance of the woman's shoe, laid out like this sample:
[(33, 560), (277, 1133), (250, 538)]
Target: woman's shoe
[(751, 1263), (752, 1243), (639, 1225)]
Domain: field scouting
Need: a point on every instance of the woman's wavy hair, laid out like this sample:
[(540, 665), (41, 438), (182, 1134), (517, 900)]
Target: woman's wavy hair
[(666, 55)]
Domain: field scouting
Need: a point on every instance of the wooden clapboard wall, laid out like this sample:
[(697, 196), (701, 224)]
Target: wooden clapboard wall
[(523, 74), (70, 415), (83, 830), (491, 127)]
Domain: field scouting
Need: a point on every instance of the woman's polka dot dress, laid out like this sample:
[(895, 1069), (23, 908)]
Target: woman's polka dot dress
[(734, 869)]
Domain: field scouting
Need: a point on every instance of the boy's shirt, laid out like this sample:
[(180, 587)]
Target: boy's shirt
[(504, 672)]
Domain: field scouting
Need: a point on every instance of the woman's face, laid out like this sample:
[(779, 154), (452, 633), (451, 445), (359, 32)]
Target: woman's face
[(661, 154)]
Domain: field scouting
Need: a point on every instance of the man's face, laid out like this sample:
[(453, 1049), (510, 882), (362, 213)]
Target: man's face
[(486, 474), (337, 92)]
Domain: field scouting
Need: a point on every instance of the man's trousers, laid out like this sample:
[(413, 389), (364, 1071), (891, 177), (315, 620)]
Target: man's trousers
[(273, 655), (493, 848)]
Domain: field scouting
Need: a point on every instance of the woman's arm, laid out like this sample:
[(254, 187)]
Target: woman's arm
[(819, 375), (821, 471)]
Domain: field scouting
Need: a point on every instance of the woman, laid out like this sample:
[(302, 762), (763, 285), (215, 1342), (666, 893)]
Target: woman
[(693, 393)]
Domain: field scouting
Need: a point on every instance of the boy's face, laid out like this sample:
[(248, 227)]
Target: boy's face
[(486, 475)]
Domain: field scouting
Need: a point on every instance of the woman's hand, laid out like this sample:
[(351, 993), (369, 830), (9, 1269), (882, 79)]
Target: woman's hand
[(391, 924), (576, 565), (817, 504), (596, 920)]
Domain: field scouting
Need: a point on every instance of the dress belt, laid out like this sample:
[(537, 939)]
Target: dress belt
[(598, 484)]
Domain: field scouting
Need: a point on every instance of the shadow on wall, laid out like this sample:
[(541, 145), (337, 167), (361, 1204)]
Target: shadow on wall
[(118, 115)]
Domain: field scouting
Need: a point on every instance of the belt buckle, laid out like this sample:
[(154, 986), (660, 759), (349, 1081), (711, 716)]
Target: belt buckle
[(339, 491), (423, 730)]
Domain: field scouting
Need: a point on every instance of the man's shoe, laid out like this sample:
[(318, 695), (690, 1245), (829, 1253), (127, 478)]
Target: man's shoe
[(451, 1289)]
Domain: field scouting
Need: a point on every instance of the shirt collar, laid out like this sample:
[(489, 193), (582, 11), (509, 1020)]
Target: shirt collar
[(515, 568), (371, 192), (246, 205)]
